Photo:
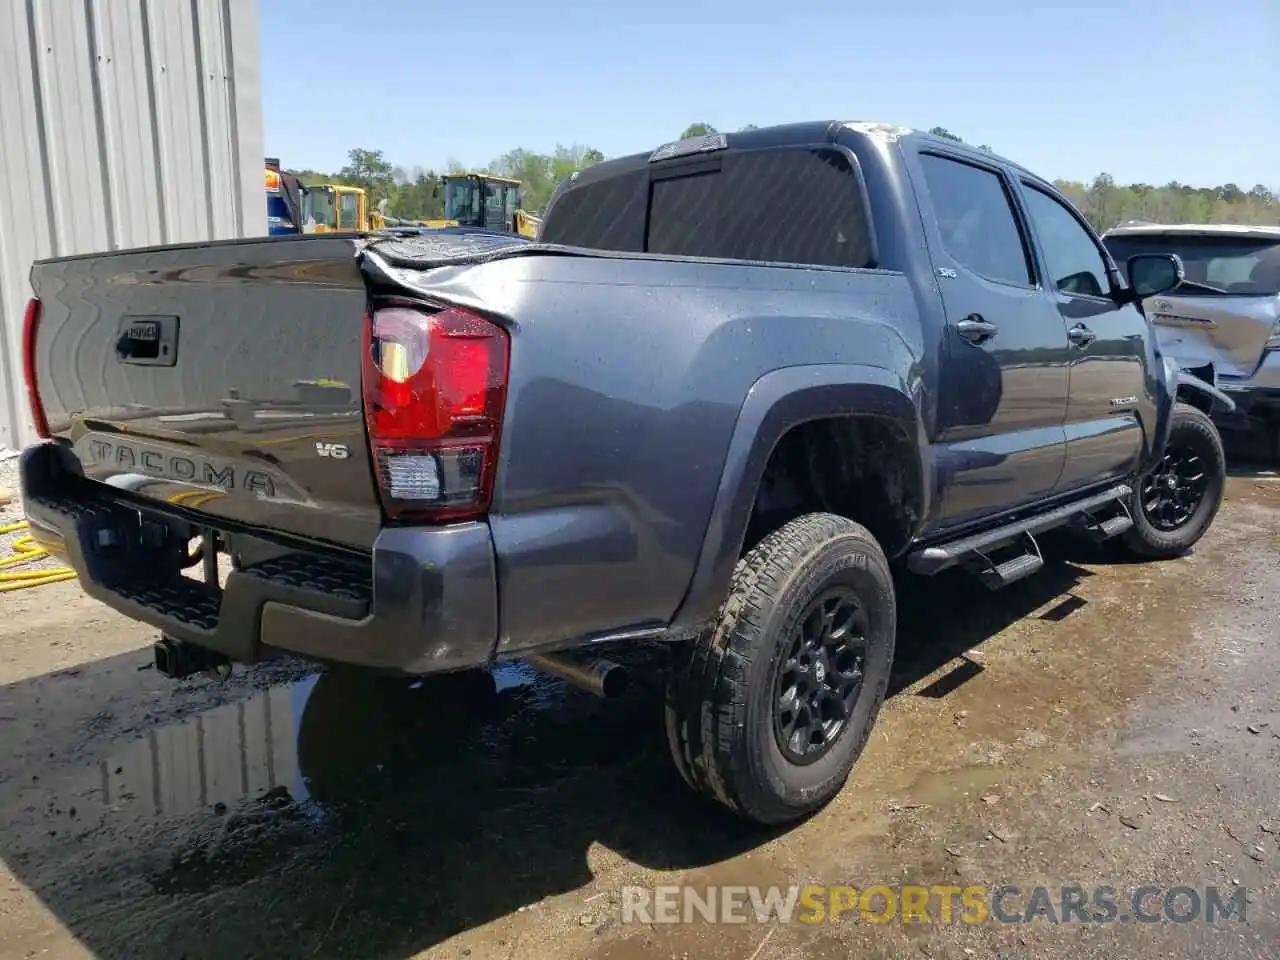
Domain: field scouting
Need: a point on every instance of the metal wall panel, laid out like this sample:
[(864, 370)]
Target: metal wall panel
[(123, 123)]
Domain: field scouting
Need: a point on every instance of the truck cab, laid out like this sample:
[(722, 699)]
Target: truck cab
[(283, 200), (486, 201), (334, 208)]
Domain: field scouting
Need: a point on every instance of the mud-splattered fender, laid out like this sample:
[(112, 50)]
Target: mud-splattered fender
[(778, 401), (1176, 382)]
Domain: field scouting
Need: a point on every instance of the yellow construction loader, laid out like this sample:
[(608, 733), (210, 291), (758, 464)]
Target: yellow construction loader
[(470, 200), (487, 201), (332, 207)]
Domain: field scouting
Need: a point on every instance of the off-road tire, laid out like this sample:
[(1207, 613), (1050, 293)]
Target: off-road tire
[(721, 692), (1144, 540)]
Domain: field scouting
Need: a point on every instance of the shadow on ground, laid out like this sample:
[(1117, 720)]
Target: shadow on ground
[(344, 815), (1250, 450)]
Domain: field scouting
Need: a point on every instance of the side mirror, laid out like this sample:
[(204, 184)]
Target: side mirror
[(1153, 273)]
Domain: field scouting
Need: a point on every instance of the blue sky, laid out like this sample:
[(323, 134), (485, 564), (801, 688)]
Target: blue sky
[(1146, 90)]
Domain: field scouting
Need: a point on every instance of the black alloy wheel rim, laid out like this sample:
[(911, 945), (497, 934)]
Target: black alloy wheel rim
[(1172, 492), (821, 677)]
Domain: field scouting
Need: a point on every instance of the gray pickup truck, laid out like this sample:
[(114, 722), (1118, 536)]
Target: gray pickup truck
[(736, 385)]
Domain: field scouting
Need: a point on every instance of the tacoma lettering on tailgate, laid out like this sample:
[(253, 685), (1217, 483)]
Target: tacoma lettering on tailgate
[(187, 466)]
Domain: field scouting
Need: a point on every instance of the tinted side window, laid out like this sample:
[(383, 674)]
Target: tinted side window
[(976, 218), (1073, 260), (789, 205), (781, 206)]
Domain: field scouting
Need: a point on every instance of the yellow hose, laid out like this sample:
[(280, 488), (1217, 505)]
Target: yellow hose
[(25, 549)]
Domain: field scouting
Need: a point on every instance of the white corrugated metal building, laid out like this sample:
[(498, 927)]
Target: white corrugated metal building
[(123, 123)]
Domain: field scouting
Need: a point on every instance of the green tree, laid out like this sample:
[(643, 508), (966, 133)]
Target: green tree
[(698, 130), (539, 173), (418, 197), (371, 170), (944, 132)]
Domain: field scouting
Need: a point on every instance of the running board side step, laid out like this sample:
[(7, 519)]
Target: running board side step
[(973, 549), (1102, 530), (995, 574)]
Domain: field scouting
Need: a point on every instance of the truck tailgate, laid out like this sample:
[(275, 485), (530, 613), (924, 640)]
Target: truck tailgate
[(223, 378)]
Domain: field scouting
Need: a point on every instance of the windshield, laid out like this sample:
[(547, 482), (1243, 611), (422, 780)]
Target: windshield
[(318, 205), (1216, 266), (462, 200)]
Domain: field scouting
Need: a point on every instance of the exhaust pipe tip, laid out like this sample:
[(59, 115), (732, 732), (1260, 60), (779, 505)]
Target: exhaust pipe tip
[(614, 680), (598, 676)]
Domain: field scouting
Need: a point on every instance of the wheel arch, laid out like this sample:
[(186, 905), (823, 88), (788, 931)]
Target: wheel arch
[(1196, 386), (776, 404)]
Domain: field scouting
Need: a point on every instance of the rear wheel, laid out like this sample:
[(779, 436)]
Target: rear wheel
[(768, 710), (1174, 503)]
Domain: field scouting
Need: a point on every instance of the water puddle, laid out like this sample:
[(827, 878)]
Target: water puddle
[(334, 741)]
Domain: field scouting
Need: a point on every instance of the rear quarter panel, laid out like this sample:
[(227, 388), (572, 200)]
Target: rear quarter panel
[(627, 378)]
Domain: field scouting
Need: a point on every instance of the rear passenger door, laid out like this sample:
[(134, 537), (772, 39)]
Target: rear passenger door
[(1108, 344), (1003, 393)]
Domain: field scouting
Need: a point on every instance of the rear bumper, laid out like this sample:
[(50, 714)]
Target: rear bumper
[(423, 601), (1259, 394)]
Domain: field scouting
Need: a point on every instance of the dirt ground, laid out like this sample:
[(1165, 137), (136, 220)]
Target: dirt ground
[(1099, 724)]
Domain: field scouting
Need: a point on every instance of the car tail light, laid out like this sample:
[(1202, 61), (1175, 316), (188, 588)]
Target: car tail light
[(1273, 341), (434, 387), (29, 324)]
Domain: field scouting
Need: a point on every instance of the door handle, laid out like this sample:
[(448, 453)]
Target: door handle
[(974, 329), (1081, 336)]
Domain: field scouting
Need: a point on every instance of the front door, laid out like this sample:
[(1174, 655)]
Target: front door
[(1003, 393), (1108, 388)]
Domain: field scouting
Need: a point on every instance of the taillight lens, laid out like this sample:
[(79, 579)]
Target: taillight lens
[(434, 387), (30, 323), (1273, 341)]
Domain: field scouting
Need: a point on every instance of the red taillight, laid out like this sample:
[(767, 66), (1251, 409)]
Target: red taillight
[(29, 324), (434, 387)]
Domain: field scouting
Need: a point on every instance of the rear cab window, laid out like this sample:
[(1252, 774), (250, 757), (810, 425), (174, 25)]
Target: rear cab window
[(785, 205)]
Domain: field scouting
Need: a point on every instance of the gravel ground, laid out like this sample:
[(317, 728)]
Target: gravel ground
[(1100, 724)]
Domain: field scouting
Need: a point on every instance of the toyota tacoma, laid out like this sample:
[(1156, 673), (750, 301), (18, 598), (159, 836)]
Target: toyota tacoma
[(736, 385)]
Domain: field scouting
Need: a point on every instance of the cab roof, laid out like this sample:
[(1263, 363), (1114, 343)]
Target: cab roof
[(797, 134), (484, 176)]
